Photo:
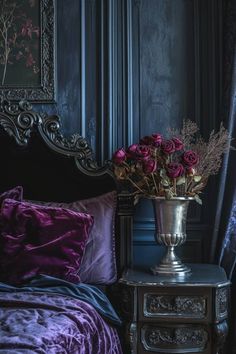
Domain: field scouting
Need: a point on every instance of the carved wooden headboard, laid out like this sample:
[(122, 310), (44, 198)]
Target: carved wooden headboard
[(50, 167)]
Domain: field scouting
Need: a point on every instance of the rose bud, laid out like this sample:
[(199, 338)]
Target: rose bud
[(168, 146), (119, 156), (190, 171), (149, 166), (174, 170), (143, 152), (178, 144), (131, 151), (157, 139), (146, 140), (190, 158)]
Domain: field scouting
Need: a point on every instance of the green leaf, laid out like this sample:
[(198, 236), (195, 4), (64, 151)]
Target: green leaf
[(165, 182), (198, 199), (180, 180), (197, 178), (169, 194), (163, 173)]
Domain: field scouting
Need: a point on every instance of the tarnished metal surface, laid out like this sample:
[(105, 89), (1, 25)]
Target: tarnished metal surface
[(170, 220)]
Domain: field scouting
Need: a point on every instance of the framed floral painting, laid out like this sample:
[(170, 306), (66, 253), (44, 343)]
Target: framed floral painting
[(27, 60)]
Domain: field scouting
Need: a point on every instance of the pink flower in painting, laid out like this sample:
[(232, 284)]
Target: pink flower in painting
[(30, 60), (19, 55), (28, 29)]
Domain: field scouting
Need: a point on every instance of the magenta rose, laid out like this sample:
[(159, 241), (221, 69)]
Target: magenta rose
[(131, 151), (178, 144), (119, 156), (175, 170), (143, 152), (146, 140), (190, 158), (168, 146), (157, 139), (149, 166)]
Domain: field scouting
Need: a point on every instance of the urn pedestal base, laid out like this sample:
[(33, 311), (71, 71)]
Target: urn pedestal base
[(170, 220), (171, 265)]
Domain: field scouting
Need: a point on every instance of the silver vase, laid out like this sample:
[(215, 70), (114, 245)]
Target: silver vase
[(170, 220)]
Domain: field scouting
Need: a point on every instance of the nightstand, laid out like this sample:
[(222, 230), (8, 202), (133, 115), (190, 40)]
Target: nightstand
[(165, 314)]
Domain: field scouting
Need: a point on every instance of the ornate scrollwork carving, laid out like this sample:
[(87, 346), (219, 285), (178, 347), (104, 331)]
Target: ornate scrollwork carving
[(19, 121), (169, 338), (46, 91), (126, 204), (174, 306), (75, 145), (220, 333), (221, 303), (132, 334)]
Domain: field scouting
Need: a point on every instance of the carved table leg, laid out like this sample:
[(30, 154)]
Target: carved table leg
[(131, 338), (220, 334)]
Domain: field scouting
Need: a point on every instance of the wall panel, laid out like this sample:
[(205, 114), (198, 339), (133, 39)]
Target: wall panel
[(127, 68)]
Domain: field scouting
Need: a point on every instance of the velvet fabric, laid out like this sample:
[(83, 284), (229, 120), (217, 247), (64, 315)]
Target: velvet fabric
[(41, 240), (85, 292), (43, 318), (14, 193), (99, 262)]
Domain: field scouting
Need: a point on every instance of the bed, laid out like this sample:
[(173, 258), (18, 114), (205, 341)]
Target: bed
[(65, 239)]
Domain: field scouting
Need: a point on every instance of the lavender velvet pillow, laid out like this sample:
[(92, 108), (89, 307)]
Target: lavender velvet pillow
[(41, 240), (14, 193), (99, 262)]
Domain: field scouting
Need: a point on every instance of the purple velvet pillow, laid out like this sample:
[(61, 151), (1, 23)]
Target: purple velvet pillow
[(41, 240), (14, 193), (99, 262)]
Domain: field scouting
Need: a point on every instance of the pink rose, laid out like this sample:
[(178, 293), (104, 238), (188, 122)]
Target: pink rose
[(178, 144), (131, 151), (168, 146), (157, 139), (149, 166), (119, 156), (146, 140), (175, 170), (190, 158), (143, 152)]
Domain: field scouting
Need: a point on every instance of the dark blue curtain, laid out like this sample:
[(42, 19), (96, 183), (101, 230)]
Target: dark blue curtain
[(227, 183), (224, 236)]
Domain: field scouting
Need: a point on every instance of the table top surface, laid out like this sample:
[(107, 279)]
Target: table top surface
[(208, 275)]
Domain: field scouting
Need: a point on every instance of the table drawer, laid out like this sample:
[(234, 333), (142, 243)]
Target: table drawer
[(186, 338), (174, 305)]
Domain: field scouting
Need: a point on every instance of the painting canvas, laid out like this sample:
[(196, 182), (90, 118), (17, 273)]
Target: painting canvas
[(27, 67)]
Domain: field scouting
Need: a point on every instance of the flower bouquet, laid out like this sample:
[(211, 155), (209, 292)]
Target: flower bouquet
[(175, 166), (171, 171)]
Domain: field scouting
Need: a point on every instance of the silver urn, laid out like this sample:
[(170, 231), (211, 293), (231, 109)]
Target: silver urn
[(170, 221)]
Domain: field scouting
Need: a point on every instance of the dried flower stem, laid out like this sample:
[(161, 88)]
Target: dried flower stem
[(174, 186), (154, 181), (135, 185)]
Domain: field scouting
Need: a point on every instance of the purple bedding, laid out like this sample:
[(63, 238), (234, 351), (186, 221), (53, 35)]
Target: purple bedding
[(51, 323)]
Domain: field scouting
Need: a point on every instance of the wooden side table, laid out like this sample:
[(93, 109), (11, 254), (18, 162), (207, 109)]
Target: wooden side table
[(175, 315)]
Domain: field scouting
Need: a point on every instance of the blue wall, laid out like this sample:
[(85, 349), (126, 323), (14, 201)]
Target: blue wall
[(127, 68)]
